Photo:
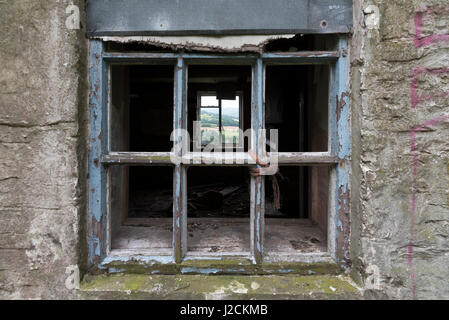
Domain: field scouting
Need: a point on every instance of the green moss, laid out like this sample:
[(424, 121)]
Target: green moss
[(223, 267), (216, 287), (158, 158), (134, 283)]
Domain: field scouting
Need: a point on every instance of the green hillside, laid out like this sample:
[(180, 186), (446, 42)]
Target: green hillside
[(210, 120)]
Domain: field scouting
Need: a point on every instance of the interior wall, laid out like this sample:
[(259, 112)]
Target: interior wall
[(297, 106), (119, 140), (318, 141)]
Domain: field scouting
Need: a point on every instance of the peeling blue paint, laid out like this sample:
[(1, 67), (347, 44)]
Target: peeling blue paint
[(199, 270), (257, 121), (98, 79), (338, 224), (285, 270), (341, 145), (204, 258), (94, 247)]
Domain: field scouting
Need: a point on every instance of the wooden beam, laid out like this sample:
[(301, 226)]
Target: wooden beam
[(137, 158), (180, 147), (306, 158), (257, 196), (298, 57), (97, 219), (216, 158), (301, 57)]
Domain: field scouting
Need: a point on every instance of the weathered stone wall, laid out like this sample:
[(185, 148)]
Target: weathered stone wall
[(42, 91), (400, 212), (400, 172)]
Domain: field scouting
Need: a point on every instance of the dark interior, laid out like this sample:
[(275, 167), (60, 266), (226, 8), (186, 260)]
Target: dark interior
[(218, 192), (150, 192), (151, 108), (296, 103)]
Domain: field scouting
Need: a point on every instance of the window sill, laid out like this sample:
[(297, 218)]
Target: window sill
[(125, 262), (132, 286)]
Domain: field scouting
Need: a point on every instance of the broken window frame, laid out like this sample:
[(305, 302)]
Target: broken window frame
[(239, 144), (337, 158)]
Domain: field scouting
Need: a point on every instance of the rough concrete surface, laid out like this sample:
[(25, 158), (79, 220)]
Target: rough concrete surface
[(400, 161), (400, 218), (219, 287), (42, 95)]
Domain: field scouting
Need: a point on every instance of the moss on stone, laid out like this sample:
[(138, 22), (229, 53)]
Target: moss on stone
[(158, 158), (222, 267), (218, 287)]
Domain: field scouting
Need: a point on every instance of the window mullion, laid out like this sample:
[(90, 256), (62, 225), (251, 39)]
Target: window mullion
[(341, 147), (257, 146), (180, 173)]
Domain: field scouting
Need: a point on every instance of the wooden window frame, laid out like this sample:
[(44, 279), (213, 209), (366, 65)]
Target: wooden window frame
[(337, 158)]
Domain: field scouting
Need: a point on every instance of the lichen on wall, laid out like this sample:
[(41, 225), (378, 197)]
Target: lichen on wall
[(400, 86)]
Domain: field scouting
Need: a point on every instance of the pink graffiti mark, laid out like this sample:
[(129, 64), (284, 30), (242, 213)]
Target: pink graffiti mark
[(413, 131), (420, 39), (415, 98)]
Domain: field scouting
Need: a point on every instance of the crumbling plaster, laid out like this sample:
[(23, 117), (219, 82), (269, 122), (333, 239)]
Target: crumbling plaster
[(205, 43), (400, 205), (399, 174)]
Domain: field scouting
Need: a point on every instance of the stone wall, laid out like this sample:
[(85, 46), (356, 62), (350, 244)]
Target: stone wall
[(400, 211), (42, 174), (400, 130)]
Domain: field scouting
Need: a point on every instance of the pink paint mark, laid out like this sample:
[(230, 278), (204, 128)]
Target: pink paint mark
[(421, 40), (413, 131), (415, 98)]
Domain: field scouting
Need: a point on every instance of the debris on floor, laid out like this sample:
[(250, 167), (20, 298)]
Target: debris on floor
[(219, 200)]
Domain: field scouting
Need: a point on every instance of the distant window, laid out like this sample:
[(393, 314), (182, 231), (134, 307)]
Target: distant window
[(220, 119)]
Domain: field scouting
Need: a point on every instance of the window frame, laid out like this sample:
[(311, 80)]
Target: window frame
[(337, 158)]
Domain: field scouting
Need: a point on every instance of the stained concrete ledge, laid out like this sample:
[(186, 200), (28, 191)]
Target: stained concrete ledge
[(139, 286)]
